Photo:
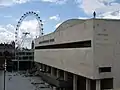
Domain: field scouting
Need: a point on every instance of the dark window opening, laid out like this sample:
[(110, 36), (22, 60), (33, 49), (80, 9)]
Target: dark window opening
[(46, 41), (107, 83), (80, 44), (31, 57), (20, 58), (104, 69), (51, 40), (29, 53), (25, 57)]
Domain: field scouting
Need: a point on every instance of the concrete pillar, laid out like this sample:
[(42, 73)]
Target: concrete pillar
[(47, 68), (58, 73), (37, 66), (58, 76), (98, 85), (87, 84), (75, 82), (43, 67), (40, 66), (54, 88), (52, 71), (65, 76)]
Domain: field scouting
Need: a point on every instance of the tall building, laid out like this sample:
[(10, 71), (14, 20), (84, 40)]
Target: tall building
[(83, 53)]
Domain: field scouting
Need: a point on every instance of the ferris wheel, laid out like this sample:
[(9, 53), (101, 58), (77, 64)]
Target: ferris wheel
[(40, 27)]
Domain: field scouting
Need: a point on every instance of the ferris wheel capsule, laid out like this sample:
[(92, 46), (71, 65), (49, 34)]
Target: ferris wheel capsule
[(41, 24), (36, 14), (40, 20), (27, 12)]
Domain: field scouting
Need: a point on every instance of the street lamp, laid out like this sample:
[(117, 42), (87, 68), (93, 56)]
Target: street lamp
[(5, 64)]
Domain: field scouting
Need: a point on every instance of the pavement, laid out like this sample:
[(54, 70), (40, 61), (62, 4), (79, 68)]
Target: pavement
[(18, 81)]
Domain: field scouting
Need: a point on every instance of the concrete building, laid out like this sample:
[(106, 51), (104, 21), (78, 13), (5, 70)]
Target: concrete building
[(24, 59), (85, 53)]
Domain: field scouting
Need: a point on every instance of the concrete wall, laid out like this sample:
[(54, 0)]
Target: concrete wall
[(75, 60), (103, 47), (107, 49), (116, 60), (78, 61)]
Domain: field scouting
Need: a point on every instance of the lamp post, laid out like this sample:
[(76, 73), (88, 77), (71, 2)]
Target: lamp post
[(5, 74), (17, 62), (5, 64)]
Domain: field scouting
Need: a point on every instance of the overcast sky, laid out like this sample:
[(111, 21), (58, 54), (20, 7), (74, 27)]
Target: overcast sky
[(52, 13)]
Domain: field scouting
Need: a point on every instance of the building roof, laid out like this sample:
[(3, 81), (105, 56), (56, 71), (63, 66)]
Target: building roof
[(69, 23)]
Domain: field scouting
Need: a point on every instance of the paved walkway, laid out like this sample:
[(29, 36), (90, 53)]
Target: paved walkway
[(15, 81)]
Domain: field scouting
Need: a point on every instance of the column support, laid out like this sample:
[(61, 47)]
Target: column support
[(40, 66), (87, 84), (98, 85), (54, 88), (47, 69), (65, 76), (58, 73), (52, 71), (43, 67), (75, 82)]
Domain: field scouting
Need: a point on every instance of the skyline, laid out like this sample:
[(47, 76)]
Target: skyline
[(52, 13)]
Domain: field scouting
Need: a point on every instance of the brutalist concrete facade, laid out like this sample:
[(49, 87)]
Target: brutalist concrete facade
[(86, 48)]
